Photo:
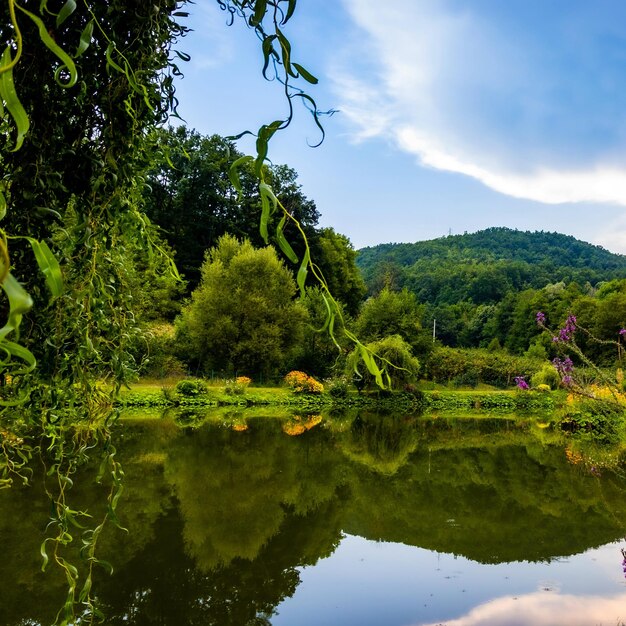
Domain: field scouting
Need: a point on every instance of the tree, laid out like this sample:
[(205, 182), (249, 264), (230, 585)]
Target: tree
[(334, 255), (242, 317), (193, 200), (390, 313), (75, 182)]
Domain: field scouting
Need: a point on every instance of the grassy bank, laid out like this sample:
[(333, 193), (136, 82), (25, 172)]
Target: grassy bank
[(163, 394)]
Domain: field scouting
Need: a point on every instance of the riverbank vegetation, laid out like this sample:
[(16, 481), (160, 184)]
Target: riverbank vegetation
[(132, 250)]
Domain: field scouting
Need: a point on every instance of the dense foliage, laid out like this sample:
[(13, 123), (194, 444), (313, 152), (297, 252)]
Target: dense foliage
[(193, 200), (483, 290), (76, 181), (242, 318), (483, 266)]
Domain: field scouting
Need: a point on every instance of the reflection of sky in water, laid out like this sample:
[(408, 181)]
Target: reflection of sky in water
[(367, 583)]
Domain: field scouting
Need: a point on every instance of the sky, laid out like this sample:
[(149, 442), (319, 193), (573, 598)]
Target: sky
[(453, 116)]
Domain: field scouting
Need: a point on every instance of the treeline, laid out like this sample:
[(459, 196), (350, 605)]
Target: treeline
[(191, 198), (484, 289), (482, 267), (237, 311)]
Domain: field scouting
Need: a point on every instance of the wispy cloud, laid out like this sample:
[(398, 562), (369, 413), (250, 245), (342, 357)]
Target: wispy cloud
[(214, 45), (533, 113)]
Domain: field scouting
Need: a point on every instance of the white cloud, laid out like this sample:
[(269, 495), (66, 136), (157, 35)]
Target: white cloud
[(612, 235), (545, 609), (468, 97)]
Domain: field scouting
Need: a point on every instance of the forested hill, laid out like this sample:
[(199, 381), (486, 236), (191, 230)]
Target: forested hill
[(482, 267)]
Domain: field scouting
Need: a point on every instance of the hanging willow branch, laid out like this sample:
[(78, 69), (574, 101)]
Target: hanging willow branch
[(81, 85), (267, 19)]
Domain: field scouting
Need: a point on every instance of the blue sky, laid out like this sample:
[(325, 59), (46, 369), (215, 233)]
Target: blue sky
[(453, 115)]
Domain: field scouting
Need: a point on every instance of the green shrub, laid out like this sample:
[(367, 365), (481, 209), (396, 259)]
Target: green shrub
[(338, 388), (191, 388), (402, 369), (477, 366), (547, 375)]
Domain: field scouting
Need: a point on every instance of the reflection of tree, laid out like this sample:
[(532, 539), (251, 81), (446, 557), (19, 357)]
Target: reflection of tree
[(233, 487), (24, 513), (253, 507), (256, 505), (381, 442), (490, 504), (161, 585)]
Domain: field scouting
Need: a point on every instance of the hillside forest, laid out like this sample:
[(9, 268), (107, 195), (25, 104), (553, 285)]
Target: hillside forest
[(461, 308)]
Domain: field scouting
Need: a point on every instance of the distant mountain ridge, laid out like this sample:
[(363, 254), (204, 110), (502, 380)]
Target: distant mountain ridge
[(460, 267)]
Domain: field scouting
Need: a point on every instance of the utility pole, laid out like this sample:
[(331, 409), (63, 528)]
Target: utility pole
[(434, 328)]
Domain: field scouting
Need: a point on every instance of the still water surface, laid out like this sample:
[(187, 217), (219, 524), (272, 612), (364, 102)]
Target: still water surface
[(355, 520)]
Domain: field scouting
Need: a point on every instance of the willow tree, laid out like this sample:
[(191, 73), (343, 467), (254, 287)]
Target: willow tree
[(82, 86)]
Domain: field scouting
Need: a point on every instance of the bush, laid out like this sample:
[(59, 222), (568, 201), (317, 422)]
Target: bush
[(471, 365), (547, 375), (190, 388), (299, 382), (402, 371), (338, 388)]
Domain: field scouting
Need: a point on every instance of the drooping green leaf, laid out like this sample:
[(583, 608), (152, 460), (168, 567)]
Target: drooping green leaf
[(260, 6), (305, 74), (269, 203), (3, 205), (44, 554), (12, 101), (266, 132), (268, 52), (233, 172), (64, 57), (85, 39), (290, 9), (371, 365), (48, 265), (105, 565), (19, 303), (66, 10), (285, 47), (303, 271), (86, 590), (283, 243)]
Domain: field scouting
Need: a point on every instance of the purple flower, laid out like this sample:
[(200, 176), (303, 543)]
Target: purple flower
[(563, 366), (622, 332), (541, 318), (521, 383), (566, 333)]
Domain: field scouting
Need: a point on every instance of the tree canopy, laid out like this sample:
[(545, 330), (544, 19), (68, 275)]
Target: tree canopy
[(242, 318)]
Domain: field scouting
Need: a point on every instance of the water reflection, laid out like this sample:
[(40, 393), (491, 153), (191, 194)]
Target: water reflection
[(223, 518), (542, 609)]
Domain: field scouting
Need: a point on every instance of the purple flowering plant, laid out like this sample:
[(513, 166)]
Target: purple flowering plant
[(565, 339), (521, 383)]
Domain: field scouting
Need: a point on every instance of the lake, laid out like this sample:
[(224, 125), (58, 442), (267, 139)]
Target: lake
[(357, 519)]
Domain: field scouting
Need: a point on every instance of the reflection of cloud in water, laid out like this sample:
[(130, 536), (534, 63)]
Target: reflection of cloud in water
[(545, 609)]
